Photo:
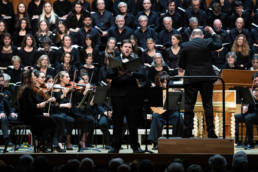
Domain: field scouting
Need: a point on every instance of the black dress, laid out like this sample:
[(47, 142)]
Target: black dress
[(171, 59), (5, 58), (27, 58)]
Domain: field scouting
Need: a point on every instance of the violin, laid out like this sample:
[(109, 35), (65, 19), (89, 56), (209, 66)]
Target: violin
[(42, 93)]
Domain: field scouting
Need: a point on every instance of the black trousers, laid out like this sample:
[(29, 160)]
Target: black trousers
[(128, 107), (250, 120), (191, 91)]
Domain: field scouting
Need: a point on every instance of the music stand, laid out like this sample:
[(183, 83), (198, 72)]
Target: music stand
[(99, 98), (173, 103), (152, 97)]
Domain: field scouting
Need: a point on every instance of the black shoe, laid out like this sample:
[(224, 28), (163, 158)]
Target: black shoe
[(58, 149), (113, 150), (212, 135), (249, 146), (108, 147), (155, 146), (138, 150)]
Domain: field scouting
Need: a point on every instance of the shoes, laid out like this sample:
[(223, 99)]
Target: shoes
[(138, 150), (212, 135), (10, 144), (249, 146), (155, 146), (58, 149), (187, 133), (113, 150)]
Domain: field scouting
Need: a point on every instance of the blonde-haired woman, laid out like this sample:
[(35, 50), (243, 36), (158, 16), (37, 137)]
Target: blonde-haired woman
[(44, 66), (241, 48), (49, 15)]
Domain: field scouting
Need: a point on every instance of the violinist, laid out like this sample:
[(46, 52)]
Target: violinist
[(124, 93), (83, 111), (63, 111), (31, 103), (249, 116)]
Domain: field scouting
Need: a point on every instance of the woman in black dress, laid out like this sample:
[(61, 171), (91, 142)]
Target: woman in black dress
[(173, 54), (7, 50), (32, 101), (28, 51), (22, 13), (22, 28), (49, 15), (35, 9)]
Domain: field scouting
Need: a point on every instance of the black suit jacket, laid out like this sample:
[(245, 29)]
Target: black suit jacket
[(196, 57)]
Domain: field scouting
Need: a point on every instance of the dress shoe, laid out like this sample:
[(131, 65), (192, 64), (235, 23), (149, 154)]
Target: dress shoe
[(59, 149), (108, 147), (212, 135), (249, 146), (113, 150), (138, 150), (155, 146)]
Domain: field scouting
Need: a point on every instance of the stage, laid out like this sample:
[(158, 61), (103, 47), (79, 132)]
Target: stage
[(102, 158)]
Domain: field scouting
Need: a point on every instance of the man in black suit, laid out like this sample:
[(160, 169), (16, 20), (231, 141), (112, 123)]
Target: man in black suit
[(125, 100), (196, 60)]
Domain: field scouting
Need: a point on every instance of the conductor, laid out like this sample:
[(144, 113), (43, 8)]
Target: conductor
[(197, 61)]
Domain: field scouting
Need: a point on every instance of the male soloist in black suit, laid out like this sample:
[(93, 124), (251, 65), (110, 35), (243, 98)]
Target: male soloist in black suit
[(197, 60), (125, 100)]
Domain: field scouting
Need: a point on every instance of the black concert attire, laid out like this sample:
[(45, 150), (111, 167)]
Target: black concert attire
[(245, 60), (74, 53), (52, 55), (232, 18), (211, 17), (146, 58), (70, 69), (6, 56), (124, 92), (200, 15), (226, 66), (16, 75), (104, 22), (125, 34), (42, 126), (152, 72), (143, 36), (7, 9), (131, 7), (41, 37), (188, 3), (250, 118), (50, 71), (73, 22), (28, 58), (163, 5), (153, 19), (196, 60), (108, 5), (17, 39), (62, 8), (171, 59), (219, 58), (130, 20), (94, 34), (85, 5), (33, 9), (84, 54), (62, 116), (254, 33), (164, 37), (186, 33), (178, 19)]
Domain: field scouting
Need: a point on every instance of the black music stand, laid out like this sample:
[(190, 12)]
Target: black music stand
[(173, 103), (152, 97)]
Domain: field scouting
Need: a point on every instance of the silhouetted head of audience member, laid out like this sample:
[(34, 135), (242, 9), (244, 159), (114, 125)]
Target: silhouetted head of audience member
[(194, 168), (123, 168), (114, 163), (175, 167), (146, 165), (40, 164), (72, 165), (24, 163), (217, 163), (239, 162), (87, 164)]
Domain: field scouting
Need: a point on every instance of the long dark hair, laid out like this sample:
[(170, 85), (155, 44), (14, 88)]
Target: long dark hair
[(26, 82)]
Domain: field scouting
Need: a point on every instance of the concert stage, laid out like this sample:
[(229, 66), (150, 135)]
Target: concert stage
[(102, 158)]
